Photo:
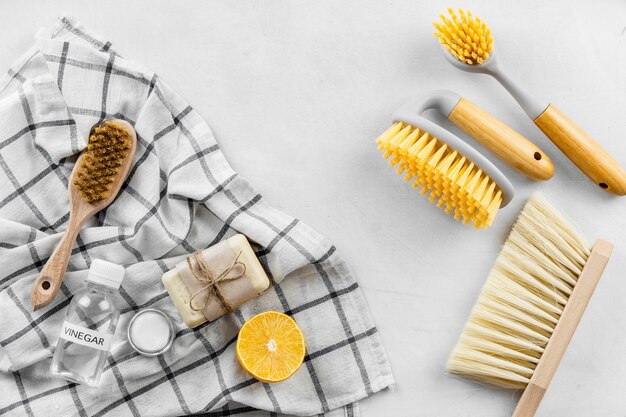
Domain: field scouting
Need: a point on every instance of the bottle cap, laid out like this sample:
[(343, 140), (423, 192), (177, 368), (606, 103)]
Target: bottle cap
[(106, 273)]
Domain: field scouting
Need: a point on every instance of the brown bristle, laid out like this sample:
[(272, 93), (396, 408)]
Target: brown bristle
[(107, 147)]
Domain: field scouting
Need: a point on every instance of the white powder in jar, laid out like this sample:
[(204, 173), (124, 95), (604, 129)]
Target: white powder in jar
[(150, 332)]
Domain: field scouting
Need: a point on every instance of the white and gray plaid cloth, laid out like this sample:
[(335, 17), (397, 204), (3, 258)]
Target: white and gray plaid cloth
[(181, 195)]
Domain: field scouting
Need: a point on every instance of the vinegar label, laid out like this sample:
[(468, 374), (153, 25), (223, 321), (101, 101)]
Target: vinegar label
[(86, 337)]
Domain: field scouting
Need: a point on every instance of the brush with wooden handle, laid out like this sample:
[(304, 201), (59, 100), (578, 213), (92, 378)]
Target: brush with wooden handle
[(489, 131), (458, 178), (456, 175), (530, 305), (96, 180), (469, 46)]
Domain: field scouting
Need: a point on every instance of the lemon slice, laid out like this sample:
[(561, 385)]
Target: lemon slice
[(270, 346)]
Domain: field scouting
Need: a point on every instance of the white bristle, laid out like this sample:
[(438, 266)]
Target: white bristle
[(522, 299)]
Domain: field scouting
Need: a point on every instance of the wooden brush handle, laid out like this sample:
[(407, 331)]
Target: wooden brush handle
[(502, 140), (48, 284), (582, 150), (50, 278), (564, 330)]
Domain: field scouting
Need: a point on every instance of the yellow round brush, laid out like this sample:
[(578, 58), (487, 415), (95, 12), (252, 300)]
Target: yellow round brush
[(471, 48)]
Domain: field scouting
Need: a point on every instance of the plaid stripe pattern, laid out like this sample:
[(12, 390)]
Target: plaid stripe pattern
[(181, 195)]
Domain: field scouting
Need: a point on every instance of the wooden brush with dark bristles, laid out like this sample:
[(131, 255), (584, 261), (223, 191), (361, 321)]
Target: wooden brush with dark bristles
[(96, 179), (106, 151)]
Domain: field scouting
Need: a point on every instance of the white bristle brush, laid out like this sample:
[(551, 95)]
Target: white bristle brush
[(530, 305)]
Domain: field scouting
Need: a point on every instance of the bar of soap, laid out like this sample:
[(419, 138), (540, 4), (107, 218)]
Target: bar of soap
[(236, 292)]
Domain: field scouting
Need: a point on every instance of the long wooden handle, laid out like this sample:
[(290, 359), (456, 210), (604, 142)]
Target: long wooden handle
[(499, 138), (582, 150), (49, 281), (564, 330)]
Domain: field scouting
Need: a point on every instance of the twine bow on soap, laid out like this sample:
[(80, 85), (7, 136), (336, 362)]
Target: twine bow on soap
[(202, 272)]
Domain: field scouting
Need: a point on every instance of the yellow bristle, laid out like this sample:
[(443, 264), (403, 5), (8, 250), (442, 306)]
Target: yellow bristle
[(453, 183), (466, 37), (107, 147), (522, 300), (402, 150), (391, 132)]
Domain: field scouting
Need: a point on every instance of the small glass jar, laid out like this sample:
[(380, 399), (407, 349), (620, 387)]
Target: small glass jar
[(151, 332)]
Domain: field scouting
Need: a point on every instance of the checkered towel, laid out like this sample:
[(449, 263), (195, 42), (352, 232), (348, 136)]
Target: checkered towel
[(181, 195)]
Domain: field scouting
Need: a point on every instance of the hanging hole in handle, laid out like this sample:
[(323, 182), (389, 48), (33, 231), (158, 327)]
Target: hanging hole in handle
[(46, 285), (537, 156), (603, 185)]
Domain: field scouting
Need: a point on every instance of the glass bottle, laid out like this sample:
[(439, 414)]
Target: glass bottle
[(88, 329)]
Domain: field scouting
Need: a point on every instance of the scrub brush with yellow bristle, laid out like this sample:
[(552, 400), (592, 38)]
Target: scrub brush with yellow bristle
[(96, 179), (530, 305), (467, 38), (461, 180), (470, 47)]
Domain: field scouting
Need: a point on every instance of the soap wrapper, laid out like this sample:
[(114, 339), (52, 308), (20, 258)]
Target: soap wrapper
[(216, 281), (221, 262)]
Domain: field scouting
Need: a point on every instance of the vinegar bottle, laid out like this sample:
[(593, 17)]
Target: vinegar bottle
[(87, 332)]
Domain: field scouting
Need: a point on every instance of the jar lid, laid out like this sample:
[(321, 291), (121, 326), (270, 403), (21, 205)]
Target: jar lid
[(151, 332)]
